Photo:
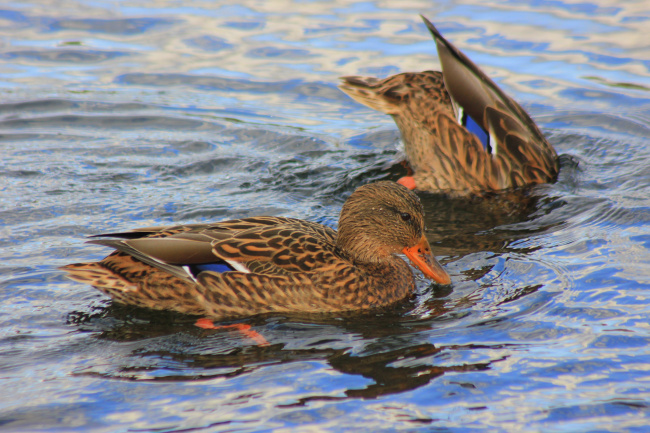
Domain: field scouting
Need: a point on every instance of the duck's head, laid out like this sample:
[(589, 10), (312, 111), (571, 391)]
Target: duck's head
[(382, 219)]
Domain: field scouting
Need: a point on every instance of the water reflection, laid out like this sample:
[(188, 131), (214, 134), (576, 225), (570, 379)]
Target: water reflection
[(458, 227), (389, 350)]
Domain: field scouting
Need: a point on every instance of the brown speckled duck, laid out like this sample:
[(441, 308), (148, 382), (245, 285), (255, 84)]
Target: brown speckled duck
[(462, 133), (267, 264)]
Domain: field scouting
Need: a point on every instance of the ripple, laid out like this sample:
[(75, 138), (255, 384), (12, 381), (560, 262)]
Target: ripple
[(209, 43), (125, 26), (277, 52), (120, 122), (64, 55), (230, 84)]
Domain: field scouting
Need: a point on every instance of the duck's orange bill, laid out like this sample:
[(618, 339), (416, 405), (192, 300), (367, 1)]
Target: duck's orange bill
[(421, 257)]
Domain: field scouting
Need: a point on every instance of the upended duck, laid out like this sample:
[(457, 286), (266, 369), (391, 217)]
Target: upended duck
[(462, 134), (269, 264)]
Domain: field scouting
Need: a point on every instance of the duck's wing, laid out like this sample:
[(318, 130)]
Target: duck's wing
[(259, 245), (477, 98), (290, 247), (473, 92), (231, 268), (226, 228)]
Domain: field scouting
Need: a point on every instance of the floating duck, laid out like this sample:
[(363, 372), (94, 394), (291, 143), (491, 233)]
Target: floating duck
[(270, 264), (462, 133)]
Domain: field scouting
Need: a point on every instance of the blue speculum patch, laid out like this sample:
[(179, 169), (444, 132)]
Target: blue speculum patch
[(214, 267), (476, 129)]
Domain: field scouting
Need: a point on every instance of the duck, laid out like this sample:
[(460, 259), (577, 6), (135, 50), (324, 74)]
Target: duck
[(462, 134), (272, 264)]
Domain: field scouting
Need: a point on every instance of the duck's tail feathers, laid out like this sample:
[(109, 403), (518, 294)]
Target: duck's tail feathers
[(369, 92), (98, 276)]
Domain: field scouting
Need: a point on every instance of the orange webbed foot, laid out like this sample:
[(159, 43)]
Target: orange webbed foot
[(407, 181), (242, 328)]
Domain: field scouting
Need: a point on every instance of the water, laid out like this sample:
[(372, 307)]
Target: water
[(117, 115)]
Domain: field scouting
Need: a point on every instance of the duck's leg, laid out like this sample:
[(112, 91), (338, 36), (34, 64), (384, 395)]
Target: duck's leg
[(407, 181), (242, 328)]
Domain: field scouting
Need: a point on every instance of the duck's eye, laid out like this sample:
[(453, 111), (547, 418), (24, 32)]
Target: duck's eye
[(405, 216)]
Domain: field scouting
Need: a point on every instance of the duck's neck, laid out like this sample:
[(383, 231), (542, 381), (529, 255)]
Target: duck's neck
[(362, 249), (393, 281)]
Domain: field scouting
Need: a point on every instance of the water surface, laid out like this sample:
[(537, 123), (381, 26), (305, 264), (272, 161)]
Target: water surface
[(121, 115)]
